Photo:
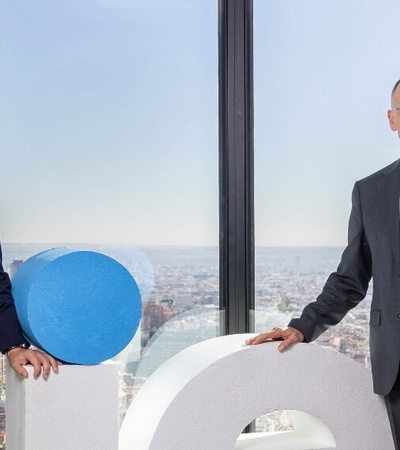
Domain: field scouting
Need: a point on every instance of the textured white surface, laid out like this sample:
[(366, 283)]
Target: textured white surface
[(203, 397), (74, 410)]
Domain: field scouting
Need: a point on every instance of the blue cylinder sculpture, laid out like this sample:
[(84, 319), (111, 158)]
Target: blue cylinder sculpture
[(82, 307)]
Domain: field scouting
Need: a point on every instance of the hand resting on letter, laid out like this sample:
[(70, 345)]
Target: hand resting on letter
[(288, 335)]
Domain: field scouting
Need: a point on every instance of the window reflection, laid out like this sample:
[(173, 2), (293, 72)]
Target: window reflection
[(111, 145)]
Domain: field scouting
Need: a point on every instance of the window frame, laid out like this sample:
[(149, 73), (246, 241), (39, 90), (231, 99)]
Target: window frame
[(236, 165)]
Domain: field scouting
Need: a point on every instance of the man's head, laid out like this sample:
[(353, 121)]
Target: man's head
[(394, 113)]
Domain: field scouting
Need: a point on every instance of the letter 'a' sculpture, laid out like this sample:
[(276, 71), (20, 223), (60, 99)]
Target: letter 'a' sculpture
[(204, 396)]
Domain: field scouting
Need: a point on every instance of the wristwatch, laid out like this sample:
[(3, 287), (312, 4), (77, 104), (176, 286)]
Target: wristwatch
[(25, 346)]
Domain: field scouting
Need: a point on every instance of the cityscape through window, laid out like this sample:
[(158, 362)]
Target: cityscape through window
[(109, 138), (323, 74), (110, 143)]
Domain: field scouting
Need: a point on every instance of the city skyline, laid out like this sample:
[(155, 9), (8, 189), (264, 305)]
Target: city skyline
[(180, 294)]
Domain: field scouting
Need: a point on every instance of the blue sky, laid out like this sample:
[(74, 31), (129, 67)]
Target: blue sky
[(109, 118), (324, 71)]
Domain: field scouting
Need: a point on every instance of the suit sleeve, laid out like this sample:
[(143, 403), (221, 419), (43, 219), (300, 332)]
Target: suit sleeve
[(10, 328), (344, 288)]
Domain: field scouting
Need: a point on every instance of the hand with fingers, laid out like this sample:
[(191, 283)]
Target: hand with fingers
[(41, 362), (288, 335)]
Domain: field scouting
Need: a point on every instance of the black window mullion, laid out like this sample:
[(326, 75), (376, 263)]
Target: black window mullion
[(236, 164)]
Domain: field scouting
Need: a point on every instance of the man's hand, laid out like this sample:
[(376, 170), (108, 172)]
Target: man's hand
[(41, 362), (289, 336)]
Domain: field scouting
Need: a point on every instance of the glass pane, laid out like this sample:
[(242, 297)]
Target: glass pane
[(110, 143), (324, 72)]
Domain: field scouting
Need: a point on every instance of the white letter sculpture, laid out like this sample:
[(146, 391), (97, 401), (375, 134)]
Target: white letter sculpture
[(203, 397)]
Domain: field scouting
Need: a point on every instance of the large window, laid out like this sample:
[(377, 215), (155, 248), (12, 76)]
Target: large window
[(110, 131), (323, 73), (323, 77), (109, 137)]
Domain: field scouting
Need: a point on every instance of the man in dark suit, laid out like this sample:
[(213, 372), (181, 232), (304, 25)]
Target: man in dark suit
[(373, 250), (12, 341)]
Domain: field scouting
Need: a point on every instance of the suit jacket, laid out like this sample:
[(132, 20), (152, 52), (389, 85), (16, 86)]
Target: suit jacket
[(373, 250), (10, 328)]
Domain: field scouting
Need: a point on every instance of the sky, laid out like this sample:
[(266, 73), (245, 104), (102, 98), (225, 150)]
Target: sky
[(324, 71), (109, 118)]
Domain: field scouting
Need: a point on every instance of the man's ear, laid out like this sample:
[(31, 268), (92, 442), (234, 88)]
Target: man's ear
[(392, 121)]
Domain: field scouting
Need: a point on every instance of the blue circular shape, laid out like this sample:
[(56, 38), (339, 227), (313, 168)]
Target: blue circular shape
[(80, 306)]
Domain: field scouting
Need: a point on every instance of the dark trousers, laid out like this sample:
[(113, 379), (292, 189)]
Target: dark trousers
[(393, 407)]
